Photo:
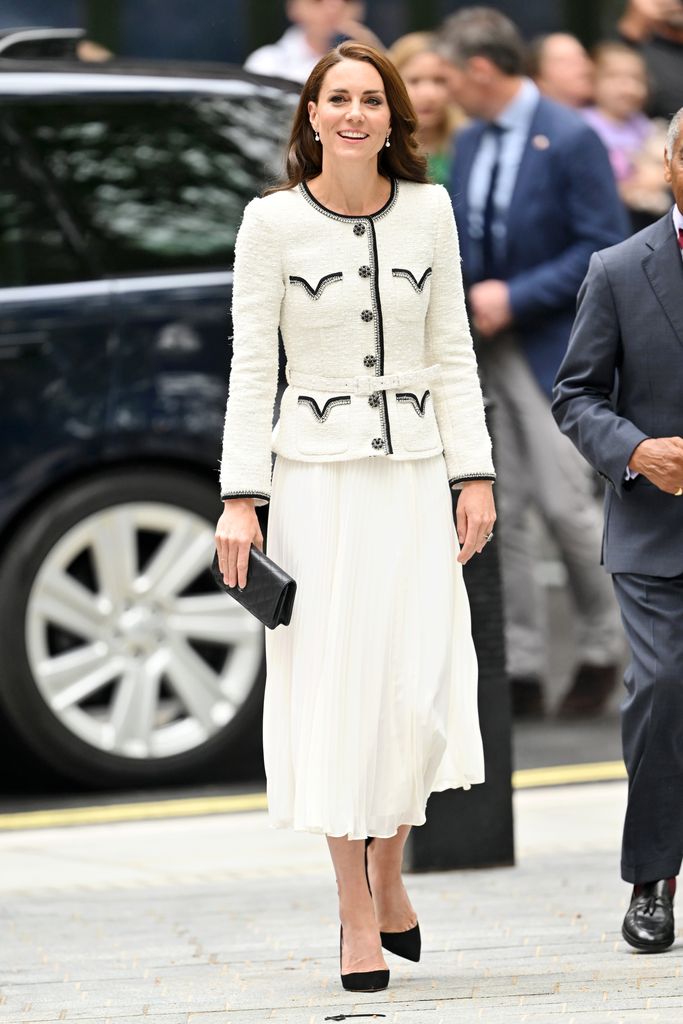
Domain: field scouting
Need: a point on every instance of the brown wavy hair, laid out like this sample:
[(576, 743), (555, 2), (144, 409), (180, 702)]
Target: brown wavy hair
[(401, 160)]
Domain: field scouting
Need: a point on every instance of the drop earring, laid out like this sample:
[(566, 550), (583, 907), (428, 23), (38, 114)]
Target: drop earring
[(387, 143), (317, 137)]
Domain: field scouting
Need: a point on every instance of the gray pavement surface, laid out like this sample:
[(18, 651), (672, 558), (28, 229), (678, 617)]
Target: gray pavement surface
[(225, 921)]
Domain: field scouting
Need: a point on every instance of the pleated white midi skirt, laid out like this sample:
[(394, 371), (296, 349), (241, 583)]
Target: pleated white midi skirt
[(371, 691)]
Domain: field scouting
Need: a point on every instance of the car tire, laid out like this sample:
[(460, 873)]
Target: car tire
[(44, 584)]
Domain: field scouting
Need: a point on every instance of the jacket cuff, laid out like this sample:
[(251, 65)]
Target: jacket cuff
[(456, 482), (260, 498)]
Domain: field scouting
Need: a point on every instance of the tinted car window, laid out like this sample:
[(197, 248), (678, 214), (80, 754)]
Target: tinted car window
[(160, 184), (32, 247)]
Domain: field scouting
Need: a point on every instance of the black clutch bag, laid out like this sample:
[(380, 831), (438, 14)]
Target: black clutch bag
[(269, 593)]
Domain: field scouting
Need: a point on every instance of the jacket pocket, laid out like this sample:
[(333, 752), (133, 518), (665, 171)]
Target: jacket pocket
[(410, 292), (323, 425), (418, 429), (317, 299), (418, 284)]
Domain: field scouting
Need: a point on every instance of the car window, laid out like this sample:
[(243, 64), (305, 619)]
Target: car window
[(32, 247), (159, 184)]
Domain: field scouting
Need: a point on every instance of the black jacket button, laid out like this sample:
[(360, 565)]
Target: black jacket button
[(369, 361), (374, 399), (377, 443), (364, 272), (359, 228), (366, 315)]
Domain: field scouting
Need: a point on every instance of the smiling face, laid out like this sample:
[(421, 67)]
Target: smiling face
[(352, 115)]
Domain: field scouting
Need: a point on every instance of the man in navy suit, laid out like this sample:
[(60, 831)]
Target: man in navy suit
[(534, 197), (619, 397)]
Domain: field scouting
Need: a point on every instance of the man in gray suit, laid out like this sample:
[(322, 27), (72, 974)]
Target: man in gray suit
[(619, 397)]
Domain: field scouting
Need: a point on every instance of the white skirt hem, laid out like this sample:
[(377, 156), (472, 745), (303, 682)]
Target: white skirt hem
[(414, 819)]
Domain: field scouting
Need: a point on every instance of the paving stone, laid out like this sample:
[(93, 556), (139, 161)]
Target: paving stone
[(223, 921)]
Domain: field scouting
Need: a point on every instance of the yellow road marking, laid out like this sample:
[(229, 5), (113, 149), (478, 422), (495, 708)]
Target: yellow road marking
[(566, 774), (184, 808), (190, 807)]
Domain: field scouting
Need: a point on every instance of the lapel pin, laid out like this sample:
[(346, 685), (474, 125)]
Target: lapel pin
[(540, 142)]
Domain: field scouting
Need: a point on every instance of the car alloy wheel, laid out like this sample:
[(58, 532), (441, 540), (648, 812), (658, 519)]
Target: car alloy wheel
[(130, 644)]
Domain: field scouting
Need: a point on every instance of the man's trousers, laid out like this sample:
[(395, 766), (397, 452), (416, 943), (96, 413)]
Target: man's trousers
[(652, 726)]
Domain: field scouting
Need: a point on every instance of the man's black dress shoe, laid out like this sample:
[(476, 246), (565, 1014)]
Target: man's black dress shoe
[(649, 922)]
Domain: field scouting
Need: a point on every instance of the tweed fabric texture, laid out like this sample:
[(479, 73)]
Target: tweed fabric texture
[(354, 297)]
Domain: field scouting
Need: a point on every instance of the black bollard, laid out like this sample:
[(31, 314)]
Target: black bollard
[(473, 829)]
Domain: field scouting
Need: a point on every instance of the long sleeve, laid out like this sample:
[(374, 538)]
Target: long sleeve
[(457, 397), (583, 396), (258, 288)]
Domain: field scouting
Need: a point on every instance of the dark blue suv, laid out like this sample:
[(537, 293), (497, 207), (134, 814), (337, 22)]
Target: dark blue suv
[(121, 192)]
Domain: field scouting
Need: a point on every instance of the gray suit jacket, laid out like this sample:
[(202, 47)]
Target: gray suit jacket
[(620, 382)]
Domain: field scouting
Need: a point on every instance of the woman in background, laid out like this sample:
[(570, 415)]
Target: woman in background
[(425, 77)]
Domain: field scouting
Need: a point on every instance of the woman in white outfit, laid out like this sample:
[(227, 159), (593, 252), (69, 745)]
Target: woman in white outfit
[(371, 701)]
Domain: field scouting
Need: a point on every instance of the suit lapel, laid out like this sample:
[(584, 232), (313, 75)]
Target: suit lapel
[(664, 270)]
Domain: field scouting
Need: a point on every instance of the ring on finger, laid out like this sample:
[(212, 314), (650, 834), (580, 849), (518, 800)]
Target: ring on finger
[(488, 536)]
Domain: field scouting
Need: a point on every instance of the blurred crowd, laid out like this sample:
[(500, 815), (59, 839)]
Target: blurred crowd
[(550, 153), (627, 87)]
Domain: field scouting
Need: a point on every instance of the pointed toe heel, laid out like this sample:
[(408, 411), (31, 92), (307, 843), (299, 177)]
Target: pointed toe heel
[(361, 981), (366, 981), (406, 944)]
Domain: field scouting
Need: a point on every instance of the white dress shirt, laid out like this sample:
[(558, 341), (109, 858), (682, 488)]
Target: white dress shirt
[(516, 120), (678, 222)]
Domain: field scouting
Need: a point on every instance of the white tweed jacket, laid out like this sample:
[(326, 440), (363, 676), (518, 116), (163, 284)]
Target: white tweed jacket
[(379, 354)]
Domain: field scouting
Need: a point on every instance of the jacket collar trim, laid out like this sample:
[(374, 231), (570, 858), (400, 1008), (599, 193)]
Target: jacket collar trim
[(345, 217)]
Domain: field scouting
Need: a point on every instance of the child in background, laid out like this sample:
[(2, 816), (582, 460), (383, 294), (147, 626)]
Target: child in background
[(425, 75), (635, 143)]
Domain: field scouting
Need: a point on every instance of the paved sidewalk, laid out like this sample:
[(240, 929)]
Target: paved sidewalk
[(224, 921)]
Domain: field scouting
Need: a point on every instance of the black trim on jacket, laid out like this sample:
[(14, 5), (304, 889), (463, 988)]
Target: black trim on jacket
[(470, 476), (322, 414), (420, 405), (409, 276), (245, 494), (379, 335), (316, 292), (308, 195)]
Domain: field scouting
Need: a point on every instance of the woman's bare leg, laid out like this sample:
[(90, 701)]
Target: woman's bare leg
[(393, 908), (362, 949)]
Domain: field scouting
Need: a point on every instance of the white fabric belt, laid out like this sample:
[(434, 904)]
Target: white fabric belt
[(364, 385)]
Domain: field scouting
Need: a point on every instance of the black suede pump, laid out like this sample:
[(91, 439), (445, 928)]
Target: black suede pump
[(407, 944), (361, 981)]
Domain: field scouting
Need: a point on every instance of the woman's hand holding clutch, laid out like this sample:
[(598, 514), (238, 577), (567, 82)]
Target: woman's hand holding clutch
[(237, 529), (476, 514)]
